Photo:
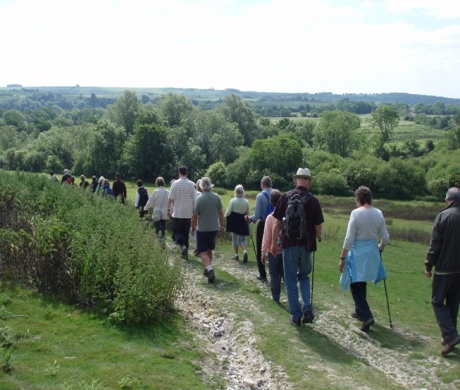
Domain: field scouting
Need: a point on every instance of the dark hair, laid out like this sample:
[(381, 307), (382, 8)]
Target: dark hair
[(364, 195), (94, 177), (266, 181), (160, 182), (275, 196), (139, 183), (117, 175), (51, 173), (183, 170)]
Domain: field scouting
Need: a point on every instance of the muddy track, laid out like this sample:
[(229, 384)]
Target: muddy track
[(212, 319)]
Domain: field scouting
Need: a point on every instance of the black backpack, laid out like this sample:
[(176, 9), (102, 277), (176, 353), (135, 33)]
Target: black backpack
[(296, 228), (143, 197)]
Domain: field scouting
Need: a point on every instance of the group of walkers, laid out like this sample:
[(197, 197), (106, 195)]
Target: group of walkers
[(288, 227)]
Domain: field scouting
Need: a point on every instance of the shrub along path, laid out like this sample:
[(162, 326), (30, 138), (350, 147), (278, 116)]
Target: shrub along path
[(256, 347)]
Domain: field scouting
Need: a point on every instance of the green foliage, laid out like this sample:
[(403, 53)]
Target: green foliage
[(125, 111), (400, 180), (175, 108), (216, 172), (330, 184), (278, 157), (83, 249), (238, 111), (147, 154), (336, 132)]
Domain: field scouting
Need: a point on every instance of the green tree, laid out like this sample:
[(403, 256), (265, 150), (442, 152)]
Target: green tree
[(104, 149), (279, 157), (125, 111), (237, 111), (385, 118), (175, 108), (217, 138), (15, 118), (147, 153), (336, 132)]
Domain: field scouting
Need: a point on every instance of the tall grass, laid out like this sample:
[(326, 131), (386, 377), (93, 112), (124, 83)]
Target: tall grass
[(83, 249)]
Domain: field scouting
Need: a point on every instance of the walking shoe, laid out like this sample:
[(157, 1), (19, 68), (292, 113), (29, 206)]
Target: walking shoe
[(211, 276), (245, 257), (184, 252), (295, 321), (263, 280), (367, 324), (356, 316), (450, 346), (236, 257), (205, 272), (308, 317)]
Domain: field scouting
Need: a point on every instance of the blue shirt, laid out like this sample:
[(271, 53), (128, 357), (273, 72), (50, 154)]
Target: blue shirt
[(261, 206)]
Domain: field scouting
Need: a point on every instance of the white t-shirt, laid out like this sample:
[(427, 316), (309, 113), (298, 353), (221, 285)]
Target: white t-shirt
[(183, 194)]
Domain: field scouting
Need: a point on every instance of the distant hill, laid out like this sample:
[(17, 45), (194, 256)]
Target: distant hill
[(254, 97)]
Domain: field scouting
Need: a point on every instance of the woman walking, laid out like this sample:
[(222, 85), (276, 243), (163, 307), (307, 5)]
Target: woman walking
[(360, 259), (159, 201), (237, 209)]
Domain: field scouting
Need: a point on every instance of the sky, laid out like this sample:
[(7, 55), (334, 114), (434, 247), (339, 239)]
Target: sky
[(309, 46)]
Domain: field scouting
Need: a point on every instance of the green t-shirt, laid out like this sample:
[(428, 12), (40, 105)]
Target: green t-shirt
[(207, 206)]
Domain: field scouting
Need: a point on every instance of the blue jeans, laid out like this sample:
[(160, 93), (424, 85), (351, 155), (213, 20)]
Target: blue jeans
[(358, 291), (275, 268), (297, 268)]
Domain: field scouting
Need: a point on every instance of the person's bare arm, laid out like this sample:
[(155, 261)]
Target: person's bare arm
[(318, 231)]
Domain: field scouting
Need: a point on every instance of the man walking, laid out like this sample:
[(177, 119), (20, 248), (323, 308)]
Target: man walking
[(303, 220), (443, 254), (181, 200), (208, 217), (263, 209), (119, 188)]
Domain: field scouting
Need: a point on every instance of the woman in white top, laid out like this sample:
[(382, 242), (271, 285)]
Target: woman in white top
[(360, 259), (159, 201)]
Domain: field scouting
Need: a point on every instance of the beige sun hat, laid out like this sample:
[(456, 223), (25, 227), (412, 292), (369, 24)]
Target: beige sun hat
[(302, 173)]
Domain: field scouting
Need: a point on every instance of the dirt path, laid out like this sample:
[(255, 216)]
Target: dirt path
[(212, 319)]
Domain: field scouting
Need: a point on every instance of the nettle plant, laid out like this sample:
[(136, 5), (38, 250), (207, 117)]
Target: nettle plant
[(84, 249)]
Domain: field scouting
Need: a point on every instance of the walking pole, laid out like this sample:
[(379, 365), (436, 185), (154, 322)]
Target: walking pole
[(312, 280), (386, 294), (313, 276), (252, 239)]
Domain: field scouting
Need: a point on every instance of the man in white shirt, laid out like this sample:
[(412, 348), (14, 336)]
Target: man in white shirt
[(181, 200)]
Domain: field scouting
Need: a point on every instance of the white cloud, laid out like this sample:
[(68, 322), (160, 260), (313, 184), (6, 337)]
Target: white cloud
[(367, 5), (444, 9), (280, 45)]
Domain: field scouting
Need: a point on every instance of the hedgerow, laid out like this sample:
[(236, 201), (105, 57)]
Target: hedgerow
[(83, 249)]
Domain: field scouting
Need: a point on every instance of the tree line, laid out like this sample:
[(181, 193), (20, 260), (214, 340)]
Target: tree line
[(230, 143)]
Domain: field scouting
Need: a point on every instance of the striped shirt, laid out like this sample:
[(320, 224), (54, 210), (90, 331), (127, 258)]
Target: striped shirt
[(183, 194)]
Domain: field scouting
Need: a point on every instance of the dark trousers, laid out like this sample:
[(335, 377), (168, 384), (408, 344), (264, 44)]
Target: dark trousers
[(160, 227), (275, 268), (181, 230), (259, 235), (358, 291), (445, 300)]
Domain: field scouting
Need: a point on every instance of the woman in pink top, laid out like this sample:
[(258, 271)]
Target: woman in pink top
[(275, 260)]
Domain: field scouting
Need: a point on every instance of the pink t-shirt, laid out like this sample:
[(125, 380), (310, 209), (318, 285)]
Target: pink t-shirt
[(267, 238)]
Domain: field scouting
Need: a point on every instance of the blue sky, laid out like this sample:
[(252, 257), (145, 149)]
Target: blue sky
[(261, 45)]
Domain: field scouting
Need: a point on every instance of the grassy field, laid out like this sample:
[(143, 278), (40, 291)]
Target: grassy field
[(64, 347)]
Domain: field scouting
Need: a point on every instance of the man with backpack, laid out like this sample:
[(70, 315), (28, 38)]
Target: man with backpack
[(303, 220), (263, 210)]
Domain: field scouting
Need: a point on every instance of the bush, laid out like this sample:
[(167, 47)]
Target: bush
[(216, 172), (330, 184), (83, 249)]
